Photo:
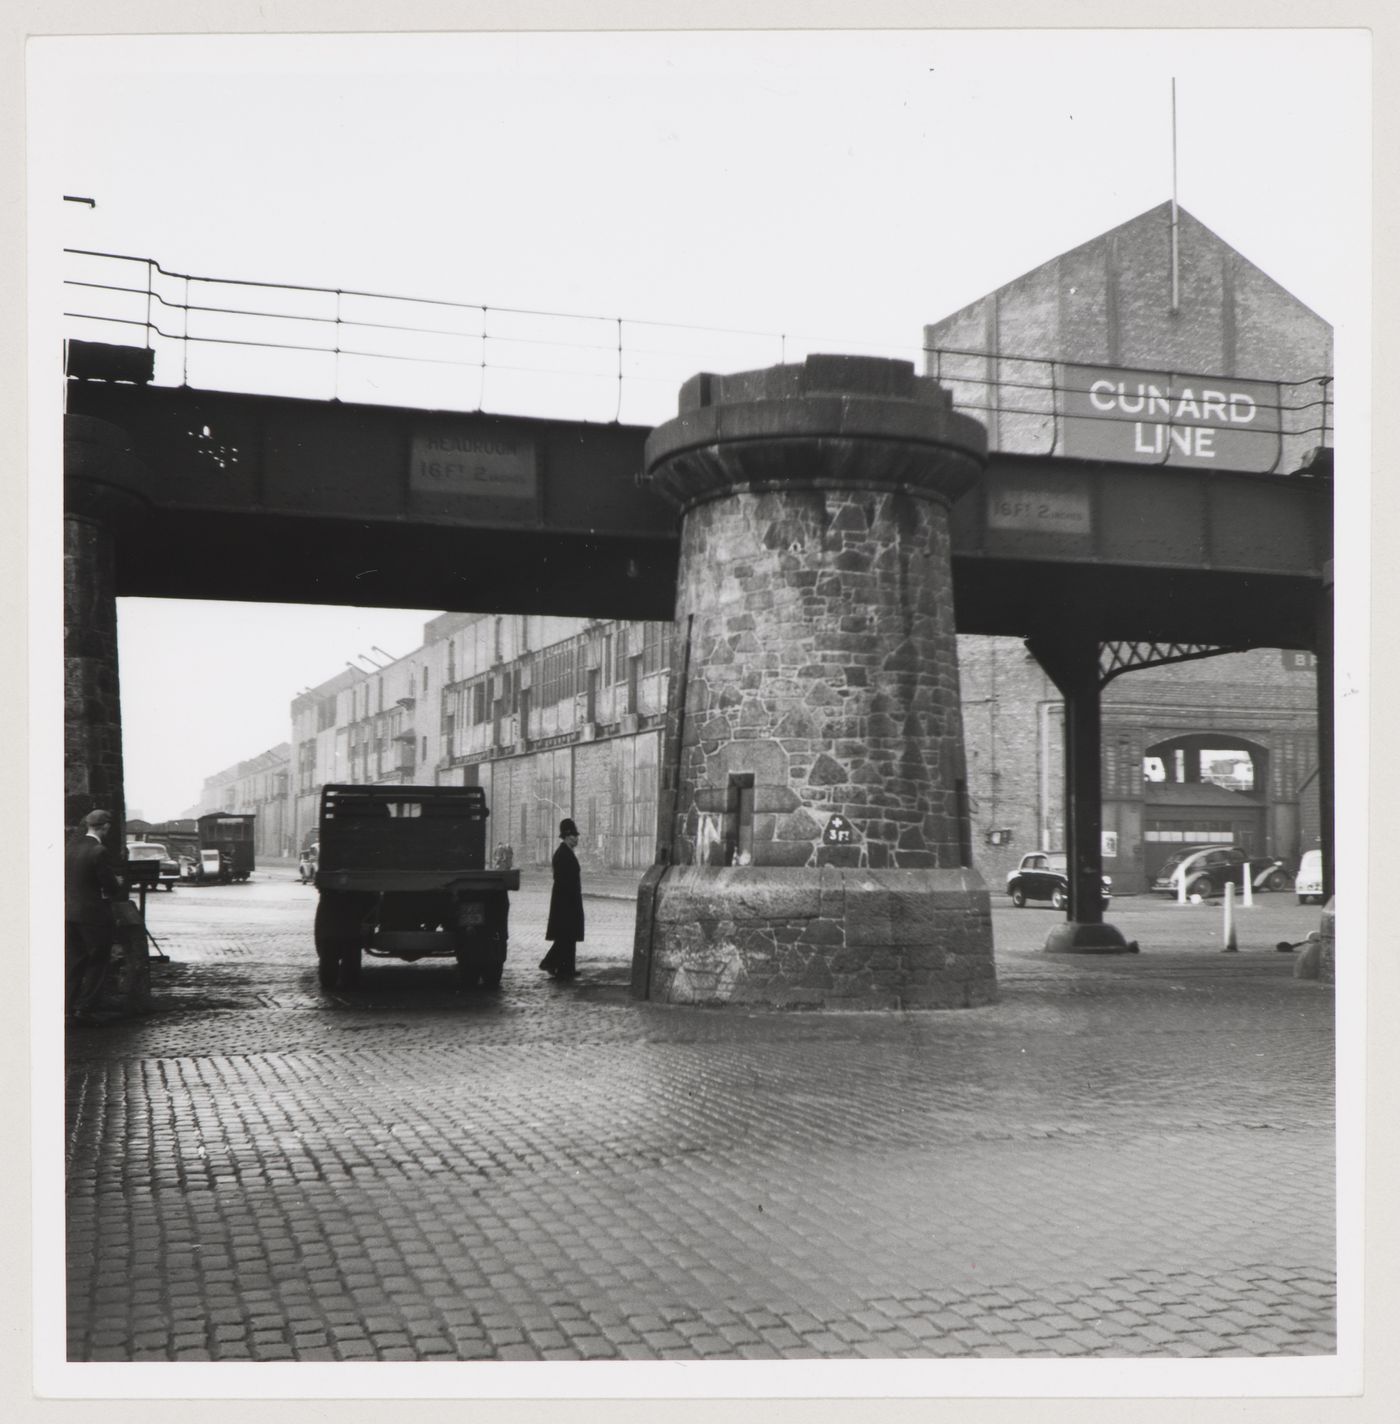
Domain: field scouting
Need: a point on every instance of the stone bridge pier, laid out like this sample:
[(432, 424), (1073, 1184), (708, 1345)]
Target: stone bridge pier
[(815, 831), (95, 510)]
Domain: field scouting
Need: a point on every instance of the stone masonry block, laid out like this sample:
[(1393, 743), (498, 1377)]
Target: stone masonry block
[(826, 771), (782, 853), (691, 893), (797, 826)]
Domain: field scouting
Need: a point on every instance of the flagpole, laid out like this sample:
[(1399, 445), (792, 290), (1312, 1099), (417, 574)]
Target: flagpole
[(1176, 250)]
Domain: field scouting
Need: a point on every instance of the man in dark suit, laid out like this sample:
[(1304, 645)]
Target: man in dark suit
[(90, 885), (565, 926)]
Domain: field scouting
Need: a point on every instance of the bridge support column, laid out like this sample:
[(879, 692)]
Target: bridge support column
[(92, 732), (815, 826), (1072, 663), (94, 509)]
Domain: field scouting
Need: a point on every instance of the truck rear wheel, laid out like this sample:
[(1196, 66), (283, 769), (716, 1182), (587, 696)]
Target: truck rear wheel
[(493, 952), (349, 966), (337, 949), (480, 963), (491, 966)]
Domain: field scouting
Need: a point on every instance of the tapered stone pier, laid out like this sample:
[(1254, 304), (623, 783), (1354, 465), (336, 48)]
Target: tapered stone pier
[(814, 817)]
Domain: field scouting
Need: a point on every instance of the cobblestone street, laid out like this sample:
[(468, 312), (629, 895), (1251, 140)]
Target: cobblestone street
[(1126, 1156)]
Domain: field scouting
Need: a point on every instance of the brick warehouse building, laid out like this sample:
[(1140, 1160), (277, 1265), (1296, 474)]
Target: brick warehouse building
[(1221, 749), (553, 717), (561, 717), (1255, 712), (591, 702)]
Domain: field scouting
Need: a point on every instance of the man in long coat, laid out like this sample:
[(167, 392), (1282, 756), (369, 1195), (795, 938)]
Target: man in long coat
[(565, 927), (90, 885)]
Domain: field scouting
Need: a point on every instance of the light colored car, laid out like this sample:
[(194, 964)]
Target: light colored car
[(153, 850), (1308, 883)]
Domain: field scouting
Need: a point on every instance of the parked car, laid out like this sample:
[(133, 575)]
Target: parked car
[(1308, 883), (1043, 875), (169, 873), (1206, 870)]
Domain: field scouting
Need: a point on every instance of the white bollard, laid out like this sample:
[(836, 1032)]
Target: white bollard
[(1247, 880), (1180, 888), (1230, 946)]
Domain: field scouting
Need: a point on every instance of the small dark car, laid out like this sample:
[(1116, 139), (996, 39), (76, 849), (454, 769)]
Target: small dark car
[(1043, 875)]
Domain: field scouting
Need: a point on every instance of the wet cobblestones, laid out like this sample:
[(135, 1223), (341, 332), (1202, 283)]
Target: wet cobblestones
[(1123, 1157)]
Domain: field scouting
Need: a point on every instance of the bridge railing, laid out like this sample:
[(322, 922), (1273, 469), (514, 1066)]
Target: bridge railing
[(331, 343)]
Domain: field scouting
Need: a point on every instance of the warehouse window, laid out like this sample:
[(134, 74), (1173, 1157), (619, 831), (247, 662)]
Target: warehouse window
[(558, 668)]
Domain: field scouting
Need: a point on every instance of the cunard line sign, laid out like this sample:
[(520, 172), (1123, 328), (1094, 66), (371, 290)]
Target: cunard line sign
[(1165, 418)]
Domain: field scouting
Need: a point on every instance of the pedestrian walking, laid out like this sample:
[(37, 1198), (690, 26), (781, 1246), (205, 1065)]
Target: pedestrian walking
[(90, 886), (565, 927)]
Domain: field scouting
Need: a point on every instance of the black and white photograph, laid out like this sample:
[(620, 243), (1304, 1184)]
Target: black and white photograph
[(702, 695)]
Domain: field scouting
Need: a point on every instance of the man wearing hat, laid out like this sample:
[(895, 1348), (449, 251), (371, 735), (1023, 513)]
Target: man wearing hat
[(90, 885), (565, 927)]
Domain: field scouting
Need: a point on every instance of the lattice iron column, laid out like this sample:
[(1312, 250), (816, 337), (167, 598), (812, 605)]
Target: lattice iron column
[(1073, 663)]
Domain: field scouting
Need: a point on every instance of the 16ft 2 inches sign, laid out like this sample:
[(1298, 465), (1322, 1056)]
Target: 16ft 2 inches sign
[(1165, 418)]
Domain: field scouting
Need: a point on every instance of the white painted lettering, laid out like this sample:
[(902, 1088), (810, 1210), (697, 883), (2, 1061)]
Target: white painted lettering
[(1098, 389), (1187, 405), (1136, 407), (1213, 404), (1242, 408), (1205, 442), (1138, 447), (1182, 439), (1159, 404)]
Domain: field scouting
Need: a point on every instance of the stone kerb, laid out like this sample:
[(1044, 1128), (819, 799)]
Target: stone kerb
[(816, 587)]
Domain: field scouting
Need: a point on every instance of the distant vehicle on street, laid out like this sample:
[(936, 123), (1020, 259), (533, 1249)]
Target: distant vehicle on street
[(169, 873), (232, 836), (1207, 869), (214, 847), (401, 873), (209, 866), (1308, 884), (1044, 875), (306, 865)]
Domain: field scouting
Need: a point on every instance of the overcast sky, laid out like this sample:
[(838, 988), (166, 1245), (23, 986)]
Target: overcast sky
[(851, 185)]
